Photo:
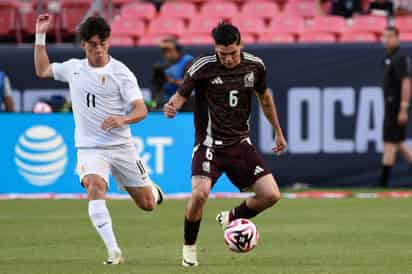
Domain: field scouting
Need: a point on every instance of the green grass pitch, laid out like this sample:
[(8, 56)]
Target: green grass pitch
[(297, 236)]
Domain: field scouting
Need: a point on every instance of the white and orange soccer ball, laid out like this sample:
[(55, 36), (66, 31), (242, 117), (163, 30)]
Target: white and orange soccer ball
[(241, 235)]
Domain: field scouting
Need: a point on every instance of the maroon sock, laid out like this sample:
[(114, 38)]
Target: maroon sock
[(242, 211), (191, 231)]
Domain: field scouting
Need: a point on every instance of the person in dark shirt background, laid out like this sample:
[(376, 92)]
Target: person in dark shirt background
[(177, 62), (397, 93), (345, 8), (381, 7)]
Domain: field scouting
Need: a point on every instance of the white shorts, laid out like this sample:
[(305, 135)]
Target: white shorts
[(122, 161)]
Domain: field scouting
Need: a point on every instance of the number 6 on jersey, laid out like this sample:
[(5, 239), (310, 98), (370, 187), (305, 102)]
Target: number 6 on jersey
[(233, 99)]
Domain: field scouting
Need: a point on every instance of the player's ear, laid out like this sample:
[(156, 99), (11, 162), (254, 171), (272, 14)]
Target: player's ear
[(83, 44)]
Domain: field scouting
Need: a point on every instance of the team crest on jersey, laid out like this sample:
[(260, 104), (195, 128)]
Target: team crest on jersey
[(103, 80), (250, 80), (206, 166)]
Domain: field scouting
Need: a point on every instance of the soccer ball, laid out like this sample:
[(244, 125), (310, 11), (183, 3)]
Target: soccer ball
[(241, 235)]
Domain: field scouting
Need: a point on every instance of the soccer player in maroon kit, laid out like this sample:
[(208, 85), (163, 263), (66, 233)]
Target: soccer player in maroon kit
[(224, 84)]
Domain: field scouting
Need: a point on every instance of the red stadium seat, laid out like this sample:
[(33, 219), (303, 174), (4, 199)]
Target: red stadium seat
[(144, 11), (404, 23), (248, 39), (121, 41), (196, 40), (225, 10), (9, 20), (249, 25), (286, 24), (152, 40), (405, 36), (76, 3), (356, 37), (167, 26), (265, 10), (277, 38), (128, 28), (203, 25), (317, 38), (71, 18), (178, 10), (373, 24), (326, 24), (306, 9)]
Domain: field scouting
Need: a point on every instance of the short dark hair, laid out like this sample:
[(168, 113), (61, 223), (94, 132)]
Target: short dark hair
[(175, 43), (394, 29), (94, 25), (226, 34)]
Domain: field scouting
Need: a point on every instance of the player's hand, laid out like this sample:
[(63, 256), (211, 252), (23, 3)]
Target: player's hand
[(169, 110), (281, 144), (113, 122), (402, 118), (43, 23)]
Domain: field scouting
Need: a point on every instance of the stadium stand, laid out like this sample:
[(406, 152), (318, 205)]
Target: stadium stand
[(139, 23)]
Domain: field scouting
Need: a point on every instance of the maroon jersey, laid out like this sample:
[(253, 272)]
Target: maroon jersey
[(223, 97)]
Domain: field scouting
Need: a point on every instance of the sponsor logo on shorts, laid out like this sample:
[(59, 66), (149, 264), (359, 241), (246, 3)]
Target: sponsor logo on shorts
[(258, 170)]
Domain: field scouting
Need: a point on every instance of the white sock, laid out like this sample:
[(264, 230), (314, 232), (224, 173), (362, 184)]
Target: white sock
[(100, 217)]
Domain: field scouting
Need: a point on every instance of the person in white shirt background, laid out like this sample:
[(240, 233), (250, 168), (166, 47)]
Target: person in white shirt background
[(102, 89)]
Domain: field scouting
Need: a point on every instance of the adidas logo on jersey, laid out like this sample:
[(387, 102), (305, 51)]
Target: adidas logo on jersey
[(217, 81), (258, 170)]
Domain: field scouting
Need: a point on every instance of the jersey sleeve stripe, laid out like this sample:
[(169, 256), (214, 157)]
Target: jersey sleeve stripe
[(200, 63), (253, 58)]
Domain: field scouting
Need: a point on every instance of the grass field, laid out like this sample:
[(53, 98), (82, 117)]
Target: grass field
[(297, 236)]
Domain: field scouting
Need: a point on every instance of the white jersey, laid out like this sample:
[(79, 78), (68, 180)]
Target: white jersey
[(96, 94)]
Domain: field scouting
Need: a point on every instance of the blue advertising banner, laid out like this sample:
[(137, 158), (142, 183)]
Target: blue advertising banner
[(330, 105), (38, 153)]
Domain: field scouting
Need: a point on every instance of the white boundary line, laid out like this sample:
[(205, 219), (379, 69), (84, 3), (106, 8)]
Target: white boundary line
[(219, 195)]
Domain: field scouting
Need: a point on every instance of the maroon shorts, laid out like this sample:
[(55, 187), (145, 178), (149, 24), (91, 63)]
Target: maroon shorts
[(241, 162)]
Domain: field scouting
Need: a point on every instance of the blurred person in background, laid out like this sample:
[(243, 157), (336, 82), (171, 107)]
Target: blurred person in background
[(403, 7), (345, 8), (168, 77), (6, 100), (397, 93), (381, 8)]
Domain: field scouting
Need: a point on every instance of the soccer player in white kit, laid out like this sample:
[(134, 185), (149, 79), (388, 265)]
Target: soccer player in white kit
[(102, 89)]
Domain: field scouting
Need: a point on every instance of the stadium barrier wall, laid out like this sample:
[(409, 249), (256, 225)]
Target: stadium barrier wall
[(329, 99)]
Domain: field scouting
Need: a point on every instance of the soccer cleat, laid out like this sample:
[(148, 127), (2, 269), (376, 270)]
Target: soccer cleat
[(115, 257), (161, 194), (223, 218), (189, 256)]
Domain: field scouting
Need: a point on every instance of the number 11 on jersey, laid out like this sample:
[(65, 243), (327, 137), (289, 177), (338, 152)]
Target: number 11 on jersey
[(90, 100)]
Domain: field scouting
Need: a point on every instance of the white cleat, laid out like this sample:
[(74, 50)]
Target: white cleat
[(223, 219), (189, 256), (115, 257)]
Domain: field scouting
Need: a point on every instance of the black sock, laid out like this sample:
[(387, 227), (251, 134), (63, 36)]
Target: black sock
[(191, 231), (242, 211), (386, 174)]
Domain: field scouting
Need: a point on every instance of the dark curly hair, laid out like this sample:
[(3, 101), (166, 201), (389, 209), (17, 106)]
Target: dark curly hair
[(94, 25), (226, 34)]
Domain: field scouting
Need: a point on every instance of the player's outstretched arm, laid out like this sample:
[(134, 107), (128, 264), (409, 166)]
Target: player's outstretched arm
[(41, 59), (175, 103), (269, 109)]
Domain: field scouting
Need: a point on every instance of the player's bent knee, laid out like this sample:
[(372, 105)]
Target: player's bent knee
[(200, 196), (275, 197)]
